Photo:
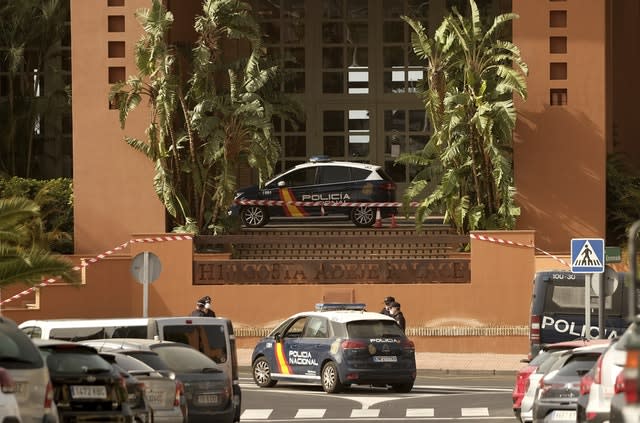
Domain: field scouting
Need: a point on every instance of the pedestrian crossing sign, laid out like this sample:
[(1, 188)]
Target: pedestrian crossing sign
[(587, 255)]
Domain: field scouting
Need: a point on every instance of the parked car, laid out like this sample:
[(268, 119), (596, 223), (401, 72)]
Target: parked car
[(586, 383), (136, 396), (320, 184), (523, 386), (208, 390), (9, 411), (533, 381), (85, 386), (559, 389), (625, 403), (163, 393), (32, 384), (336, 346)]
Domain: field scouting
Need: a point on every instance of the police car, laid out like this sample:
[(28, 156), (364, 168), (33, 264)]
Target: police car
[(314, 189), (336, 346)]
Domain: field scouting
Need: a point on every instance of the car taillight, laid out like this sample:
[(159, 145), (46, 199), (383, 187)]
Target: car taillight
[(522, 378), (389, 186), (585, 384), (630, 376), (7, 385), (48, 396), (408, 344), (179, 393), (353, 345), (534, 329)]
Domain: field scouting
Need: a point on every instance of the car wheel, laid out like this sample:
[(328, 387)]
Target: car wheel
[(402, 387), (363, 216), (254, 216), (331, 379), (262, 373)]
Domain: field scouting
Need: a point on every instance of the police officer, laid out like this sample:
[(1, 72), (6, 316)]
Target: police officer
[(203, 308), (394, 311), (387, 301)]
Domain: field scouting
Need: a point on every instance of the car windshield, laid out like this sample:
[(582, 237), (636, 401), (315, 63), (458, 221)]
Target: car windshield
[(132, 364), (74, 360), (182, 359), (578, 365), (373, 329)]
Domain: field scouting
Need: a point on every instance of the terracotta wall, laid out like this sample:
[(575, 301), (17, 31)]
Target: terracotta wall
[(113, 190), (498, 295), (560, 151)]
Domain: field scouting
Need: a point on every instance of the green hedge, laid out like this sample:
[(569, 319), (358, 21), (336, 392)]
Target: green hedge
[(55, 198)]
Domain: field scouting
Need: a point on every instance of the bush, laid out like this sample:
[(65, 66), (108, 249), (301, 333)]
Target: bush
[(55, 198)]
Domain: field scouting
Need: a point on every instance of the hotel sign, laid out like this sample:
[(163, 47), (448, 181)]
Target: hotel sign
[(330, 271)]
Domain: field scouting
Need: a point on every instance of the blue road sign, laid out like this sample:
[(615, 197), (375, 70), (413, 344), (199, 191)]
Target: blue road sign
[(587, 255)]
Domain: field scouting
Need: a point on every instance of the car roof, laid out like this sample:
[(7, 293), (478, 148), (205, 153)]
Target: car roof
[(576, 343), (589, 349), (345, 316), (131, 343), (59, 342)]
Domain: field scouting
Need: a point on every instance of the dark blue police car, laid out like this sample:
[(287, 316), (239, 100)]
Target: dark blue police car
[(320, 187), (336, 346)]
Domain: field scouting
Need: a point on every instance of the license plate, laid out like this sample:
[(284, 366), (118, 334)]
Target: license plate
[(385, 359), (88, 392), (155, 398), (562, 415), (207, 399)]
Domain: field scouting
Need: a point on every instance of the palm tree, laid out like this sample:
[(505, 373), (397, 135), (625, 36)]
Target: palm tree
[(22, 258), (473, 117), (209, 114)]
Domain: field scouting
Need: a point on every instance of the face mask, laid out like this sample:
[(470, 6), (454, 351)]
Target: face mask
[(207, 306)]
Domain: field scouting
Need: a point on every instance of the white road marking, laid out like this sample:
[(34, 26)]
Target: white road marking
[(310, 413), (256, 414), (475, 412), (420, 412), (365, 413)]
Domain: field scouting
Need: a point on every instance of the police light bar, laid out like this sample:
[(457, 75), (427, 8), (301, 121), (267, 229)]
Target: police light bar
[(319, 159), (340, 306)]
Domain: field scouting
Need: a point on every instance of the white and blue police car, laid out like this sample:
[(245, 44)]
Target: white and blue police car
[(336, 346), (320, 187)]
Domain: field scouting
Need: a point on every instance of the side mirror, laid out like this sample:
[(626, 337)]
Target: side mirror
[(277, 337)]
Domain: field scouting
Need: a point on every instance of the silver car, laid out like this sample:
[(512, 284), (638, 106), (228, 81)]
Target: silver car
[(162, 390), (208, 391), (33, 388)]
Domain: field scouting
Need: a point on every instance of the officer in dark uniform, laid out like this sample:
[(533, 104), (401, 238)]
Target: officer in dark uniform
[(387, 301), (394, 311), (203, 308)]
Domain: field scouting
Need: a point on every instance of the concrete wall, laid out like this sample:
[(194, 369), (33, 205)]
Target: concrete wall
[(495, 304)]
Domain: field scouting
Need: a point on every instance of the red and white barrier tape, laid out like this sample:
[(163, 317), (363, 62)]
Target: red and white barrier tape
[(87, 262), (517, 244), (322, 203)]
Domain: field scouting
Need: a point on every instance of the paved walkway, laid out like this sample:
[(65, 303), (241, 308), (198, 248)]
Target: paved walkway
[(445, 362)]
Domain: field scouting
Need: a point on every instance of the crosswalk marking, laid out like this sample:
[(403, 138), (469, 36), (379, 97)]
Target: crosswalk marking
[(256, 414), (310, 413), (475, 412), (420, 412), (367, 412)]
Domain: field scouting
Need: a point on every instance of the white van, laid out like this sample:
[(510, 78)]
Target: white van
[(212, 336)]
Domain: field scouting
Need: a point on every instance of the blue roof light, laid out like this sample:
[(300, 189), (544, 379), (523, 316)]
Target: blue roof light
[(319, 159)]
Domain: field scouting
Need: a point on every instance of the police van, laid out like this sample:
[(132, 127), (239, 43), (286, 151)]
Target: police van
[(212, 336), (558, 309)]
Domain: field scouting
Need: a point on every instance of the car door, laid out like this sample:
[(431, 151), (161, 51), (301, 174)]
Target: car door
[(297, 186), (334, 186), (313, 346), (291, 359)]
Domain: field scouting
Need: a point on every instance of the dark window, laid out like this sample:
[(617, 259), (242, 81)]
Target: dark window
[(374, 329), (208, 339), (578, 365), (300, 177), (333, 174), (358, 174)]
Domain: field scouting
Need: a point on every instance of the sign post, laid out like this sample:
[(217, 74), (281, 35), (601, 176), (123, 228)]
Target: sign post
[(145, 268), (587, 256)]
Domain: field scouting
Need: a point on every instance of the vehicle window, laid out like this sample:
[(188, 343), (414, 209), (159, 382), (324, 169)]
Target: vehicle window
[(131, 364), (568, 296), (32, 332), (296, 329), (300, 177), (578, 365), (358, 174), (17, 350), (78, 334), (208, 339), (150, 358), (280, 327), (70, 360), (547, 364), (373, 329), (333, 174), (183, 359), (139, 332), (316, 328), (384, 175)]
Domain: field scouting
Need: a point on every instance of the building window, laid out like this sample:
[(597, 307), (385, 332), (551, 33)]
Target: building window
[(115, 3), (115, 23), (558, 97), (558, 45), (116, 49), (116, 74), (558, 71), (558, 18)]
